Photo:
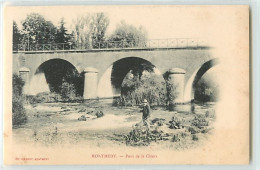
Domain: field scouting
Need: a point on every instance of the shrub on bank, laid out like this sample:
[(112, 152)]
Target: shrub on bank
[(18, 112), (142, 135), (151, 87), (47, 97)]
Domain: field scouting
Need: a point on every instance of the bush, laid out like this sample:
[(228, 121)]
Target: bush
[(158, 121), (210, 114), (199, 122), (206, 91), (18, 112), (151, 87), (142, 135), (179, 137), (69, 92), (195, 137), (175, 123)]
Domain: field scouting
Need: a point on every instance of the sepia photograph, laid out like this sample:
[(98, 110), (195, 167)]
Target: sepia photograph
[(126, 85)]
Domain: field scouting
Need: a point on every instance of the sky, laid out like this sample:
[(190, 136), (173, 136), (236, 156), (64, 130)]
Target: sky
[(160, 22)]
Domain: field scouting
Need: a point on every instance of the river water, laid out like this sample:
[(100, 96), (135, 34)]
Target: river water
[(58, 123)]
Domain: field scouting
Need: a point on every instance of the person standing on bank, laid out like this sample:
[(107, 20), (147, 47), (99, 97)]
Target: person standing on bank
[(146, 110)]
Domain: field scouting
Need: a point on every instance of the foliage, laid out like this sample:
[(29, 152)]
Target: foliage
[(171, 93), (16, 36), (44, 97), (180, 137), (141, 83), (89, 30), (139, 69), (195, 137), (37, 30), (18, 112), (150, 87), (81, 32), (68, 91), (62, 36), (206, 91), (71, 87), (142, 135), (171, 90), (129, 35), (99, 26), (199, 122), (74, 83), (175, 123), (48, 97)]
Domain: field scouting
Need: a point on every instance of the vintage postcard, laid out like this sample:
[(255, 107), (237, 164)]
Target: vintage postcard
[(126, 85)]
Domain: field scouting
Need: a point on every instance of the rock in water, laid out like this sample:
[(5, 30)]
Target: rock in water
[(99, 114), (82, 118)]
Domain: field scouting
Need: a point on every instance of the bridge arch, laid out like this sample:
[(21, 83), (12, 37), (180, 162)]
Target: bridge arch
[(50, 74), (110, 82), (196, 76)]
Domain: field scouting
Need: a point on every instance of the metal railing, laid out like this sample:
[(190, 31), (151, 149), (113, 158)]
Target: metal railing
[(125, 44)]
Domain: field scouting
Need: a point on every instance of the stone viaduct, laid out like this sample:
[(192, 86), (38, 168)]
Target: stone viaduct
[(185, 65)]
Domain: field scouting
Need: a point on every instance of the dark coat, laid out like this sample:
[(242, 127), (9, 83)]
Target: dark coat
[(146, 112)]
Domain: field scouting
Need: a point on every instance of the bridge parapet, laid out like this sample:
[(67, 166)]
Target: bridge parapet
[(110, 45)]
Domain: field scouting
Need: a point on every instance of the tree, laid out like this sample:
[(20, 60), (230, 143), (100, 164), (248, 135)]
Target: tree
[(81, 31), (99, 26), (129, 35), (150, 86), (62, 35), (89, 30), (206, 90), (16, 36), (36, 30), (140, 68)]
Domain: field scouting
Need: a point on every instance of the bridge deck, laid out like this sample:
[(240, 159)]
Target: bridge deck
[(112, 50), (123, 45)]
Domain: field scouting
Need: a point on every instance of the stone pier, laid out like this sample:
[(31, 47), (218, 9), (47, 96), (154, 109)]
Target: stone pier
[(176, 79), (90, 83), (24, 74)]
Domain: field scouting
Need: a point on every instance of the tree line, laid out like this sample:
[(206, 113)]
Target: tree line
[(87, 31)]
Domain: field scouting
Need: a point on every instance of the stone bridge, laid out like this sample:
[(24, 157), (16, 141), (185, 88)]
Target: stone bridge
[(184, 65)]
